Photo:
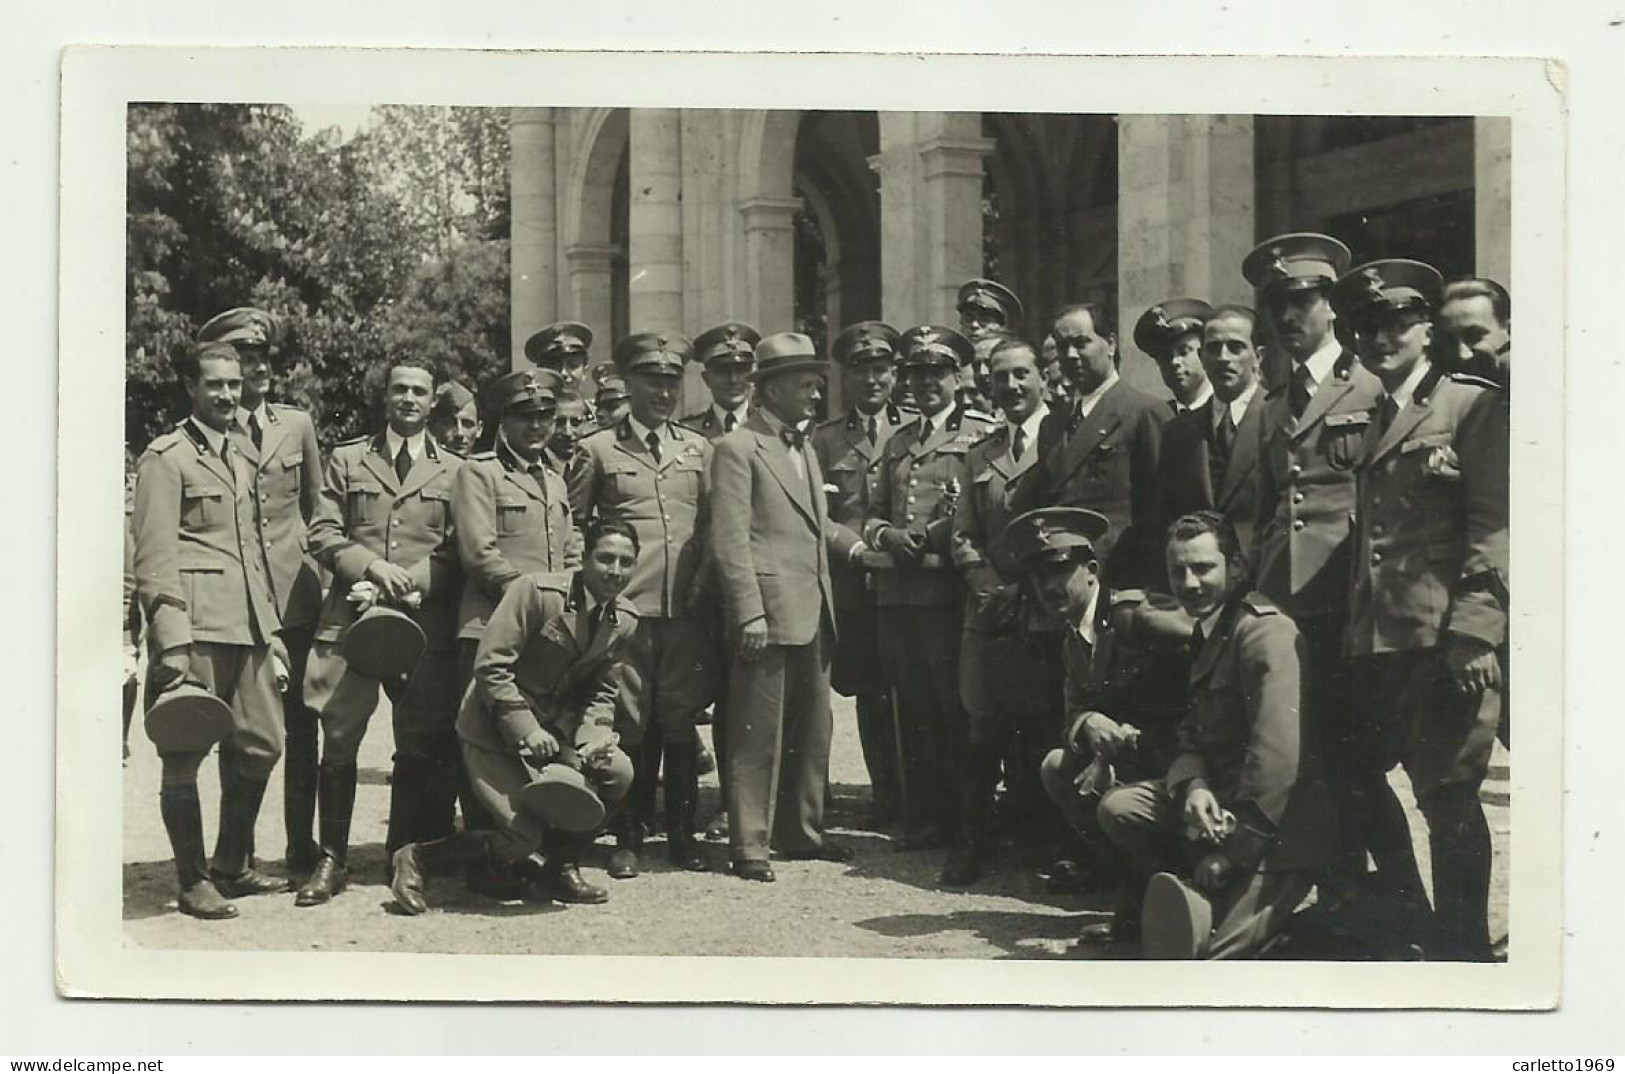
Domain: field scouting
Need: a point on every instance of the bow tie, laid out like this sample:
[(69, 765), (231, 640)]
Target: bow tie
[(794, 438)]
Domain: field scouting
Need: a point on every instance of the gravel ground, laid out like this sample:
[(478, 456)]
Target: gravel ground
[(881, 905)]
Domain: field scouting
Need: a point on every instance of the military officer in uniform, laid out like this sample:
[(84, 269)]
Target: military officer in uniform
[(1226, 845), (571, 421), (287, 482), (920, 477), (1428, 608), (848, 447), (203, 578), (727, 354), (562, 347), (992, 653), (987, 307), (651, 472), (1313, 425), (610, 403), (384, 529), (1171, 333), (1210, 454), (454, 420), (543, 696), (1100, 450)]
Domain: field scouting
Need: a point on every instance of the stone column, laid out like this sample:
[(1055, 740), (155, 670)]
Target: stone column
[(655, 221), (930, 166), (591, 291), (533, 252), (1492, 198), (770, 246), (1185, 219)]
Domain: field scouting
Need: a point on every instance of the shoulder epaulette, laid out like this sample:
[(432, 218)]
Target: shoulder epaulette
[(626, 607), (481, 456), (164, 441), (286, 406), (595, 434), (830, 423), (552, 583), (1474, 380), (362, 439), (1120, 597), (682, 423), (454, 453), (977, 415), (1260, 604), (997, 432)]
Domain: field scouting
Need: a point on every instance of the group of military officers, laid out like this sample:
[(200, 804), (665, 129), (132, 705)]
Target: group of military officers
[(1187, 638)]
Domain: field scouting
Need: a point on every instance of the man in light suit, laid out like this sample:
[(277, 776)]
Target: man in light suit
[(1313, 426), (773, 540), (287, 484), (1210, 454), (1428, 608)]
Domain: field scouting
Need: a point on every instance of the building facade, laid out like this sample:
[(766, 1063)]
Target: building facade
[(677, 219)]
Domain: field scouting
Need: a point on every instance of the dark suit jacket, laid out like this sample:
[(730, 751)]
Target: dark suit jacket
[(1185, 477), (772, 536), (1107, 463)]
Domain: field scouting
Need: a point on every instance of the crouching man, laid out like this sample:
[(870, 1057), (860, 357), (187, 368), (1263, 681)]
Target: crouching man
[(1225, 846), (543, 695)]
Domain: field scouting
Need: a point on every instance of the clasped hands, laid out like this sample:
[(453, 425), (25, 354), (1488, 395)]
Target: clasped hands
[(386, 583), (541, 747)]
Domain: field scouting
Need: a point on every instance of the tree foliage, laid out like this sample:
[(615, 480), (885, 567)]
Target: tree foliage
[(394, 241)]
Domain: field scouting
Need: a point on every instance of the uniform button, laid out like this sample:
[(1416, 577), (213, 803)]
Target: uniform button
[(666, 517), (1297, 523), (1296, 471), (1376, 529), (1297, 497), (911, 499), (394, 544), (909, 518), (913, 481), (1376, 557)]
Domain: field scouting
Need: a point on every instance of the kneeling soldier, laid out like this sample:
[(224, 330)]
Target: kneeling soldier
[(543, 694), (204, 584), (1226, 844)]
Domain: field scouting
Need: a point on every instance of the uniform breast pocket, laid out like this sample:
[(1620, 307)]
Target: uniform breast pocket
[(436, 507), (510, 515), (202, 505), (363, 504), (624, 480), (1344, 443), (199, 582)]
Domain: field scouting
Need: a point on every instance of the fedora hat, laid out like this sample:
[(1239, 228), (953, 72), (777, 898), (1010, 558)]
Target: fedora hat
[(561, 797), (187, 719), (786, 352), (384, 643)]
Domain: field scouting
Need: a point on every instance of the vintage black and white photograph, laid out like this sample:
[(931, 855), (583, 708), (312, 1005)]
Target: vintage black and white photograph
[(1061, 535)]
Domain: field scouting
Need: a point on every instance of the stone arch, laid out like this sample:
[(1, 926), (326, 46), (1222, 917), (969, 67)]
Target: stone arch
[(593, 260)]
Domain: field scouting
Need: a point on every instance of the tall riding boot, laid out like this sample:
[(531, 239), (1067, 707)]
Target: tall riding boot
[(647, 783), (1459, 838), (561, 877), (409, 801), (415, 863), (335, 797), (183, 820), (299, 760), (877, 738), (682, 798), (240, 800), (443, 778), (964, 864)]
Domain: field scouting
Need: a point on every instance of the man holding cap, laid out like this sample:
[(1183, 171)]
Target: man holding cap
[(773, 540), (454, 420), (383, 528), (919, 479), (651, 472), (727, 354), (1313, 428), (848, 447), (287, 482), (203, 577), (987, 307), (1171, 333), (1428, 610)]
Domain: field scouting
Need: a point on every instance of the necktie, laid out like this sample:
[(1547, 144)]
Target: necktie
[(729, 422), (793, 438), (1386, 416), (230, 458), (403, 462), (926, 430), (874, 436), (653, 440), (1018, 443), (255, 433), (1298, 392), (1225, 434)]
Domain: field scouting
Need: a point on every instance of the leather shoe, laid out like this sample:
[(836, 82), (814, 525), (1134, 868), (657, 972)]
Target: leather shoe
[(203, 900), (822, 852), (759, 871), (249, 882), (961, 869), (328, 879), (299, 861), (566, 884), (717, 830), (623, 864), (1067, 877), (406, 881), (684, 853)]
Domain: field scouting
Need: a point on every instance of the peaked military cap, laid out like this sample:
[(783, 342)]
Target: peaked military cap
[(383, 643), (1394, 284), (733, 341), (449, 398), (611, 386), (1161, 325), (554, 344), (653, 352), (865, 341), (561, 797), (934, 344), (523, 389), (786, 352), (243, 326), (187, 719), (1052, 535), (993, 296), (1296, 261)]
